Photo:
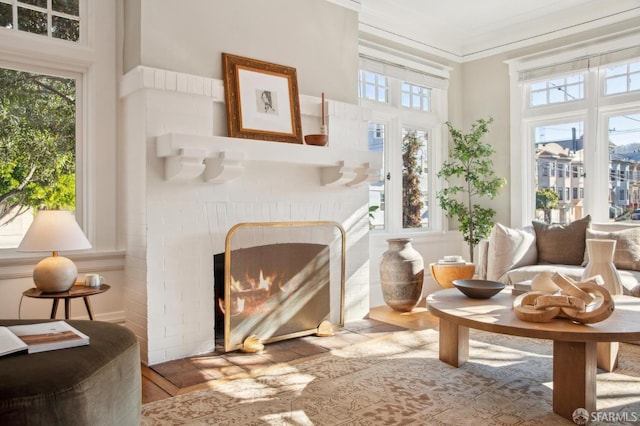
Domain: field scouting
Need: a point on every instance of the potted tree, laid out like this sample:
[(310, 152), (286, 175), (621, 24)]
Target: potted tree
[(470, 176)]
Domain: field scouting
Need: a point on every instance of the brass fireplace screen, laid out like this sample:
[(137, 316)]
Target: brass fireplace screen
[(277, 280)]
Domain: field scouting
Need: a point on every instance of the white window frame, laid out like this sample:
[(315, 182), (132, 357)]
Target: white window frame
[(593, 109), (92, 62), (395, 117)]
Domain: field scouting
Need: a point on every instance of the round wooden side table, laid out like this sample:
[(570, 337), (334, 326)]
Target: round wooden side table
[(72, 293)]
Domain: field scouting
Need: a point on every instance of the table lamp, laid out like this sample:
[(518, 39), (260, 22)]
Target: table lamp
[(54, 230)]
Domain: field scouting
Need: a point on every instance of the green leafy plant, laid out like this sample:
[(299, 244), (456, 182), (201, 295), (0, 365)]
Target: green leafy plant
[(546, 200), (37, 143), (470, 176)]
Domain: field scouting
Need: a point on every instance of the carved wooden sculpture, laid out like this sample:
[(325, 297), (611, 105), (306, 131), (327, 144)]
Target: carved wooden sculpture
[(585, 302)]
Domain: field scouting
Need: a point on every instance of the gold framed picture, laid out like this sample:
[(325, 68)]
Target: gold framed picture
[(261, 100)]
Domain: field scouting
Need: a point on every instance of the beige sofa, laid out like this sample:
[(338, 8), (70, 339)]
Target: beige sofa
[(513, 255)]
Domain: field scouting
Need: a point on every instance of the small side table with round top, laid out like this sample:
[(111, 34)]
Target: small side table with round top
[(72, 293)]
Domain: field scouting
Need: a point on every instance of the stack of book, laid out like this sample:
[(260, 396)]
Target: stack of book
[(521, 287), (452, 260)]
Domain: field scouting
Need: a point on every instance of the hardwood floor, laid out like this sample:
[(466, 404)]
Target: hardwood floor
[(177, 377)]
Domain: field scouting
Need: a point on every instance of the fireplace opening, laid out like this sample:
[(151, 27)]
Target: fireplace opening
[(277, 290)]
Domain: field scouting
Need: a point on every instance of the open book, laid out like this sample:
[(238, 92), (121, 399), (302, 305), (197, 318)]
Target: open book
[(40, 337)]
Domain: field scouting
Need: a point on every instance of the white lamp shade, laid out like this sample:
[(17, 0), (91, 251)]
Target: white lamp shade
[(54, 230)]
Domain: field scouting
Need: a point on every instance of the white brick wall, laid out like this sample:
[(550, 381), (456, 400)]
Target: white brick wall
[(175, 228)]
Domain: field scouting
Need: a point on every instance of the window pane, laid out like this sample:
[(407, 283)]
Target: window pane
[(37, 141), (376, 138), (634, 81), (616, 85), (70, 7), (538, 98), (624, 163), (618, 70), (558, 147), (39, 3), (6, 15), (66, 29), (415, 209), (32, 21)]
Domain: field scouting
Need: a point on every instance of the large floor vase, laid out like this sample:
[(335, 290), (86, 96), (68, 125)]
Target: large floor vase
[(401, 275)]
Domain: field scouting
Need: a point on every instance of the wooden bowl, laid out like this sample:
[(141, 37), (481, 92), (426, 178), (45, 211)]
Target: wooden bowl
[(445, 274), (318, 140), (479, 289)]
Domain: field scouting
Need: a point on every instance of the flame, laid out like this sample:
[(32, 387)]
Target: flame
[(263, 283)]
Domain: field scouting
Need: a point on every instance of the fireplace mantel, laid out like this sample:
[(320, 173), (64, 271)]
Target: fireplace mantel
[(220, 159)]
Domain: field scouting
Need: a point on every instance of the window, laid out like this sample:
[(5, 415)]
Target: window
[(622, 78), (38, 143), (577, 124), (91, 71), (416, 97), (59, 19), (376, 138), (557, 90), (373, 87), (405, 126)]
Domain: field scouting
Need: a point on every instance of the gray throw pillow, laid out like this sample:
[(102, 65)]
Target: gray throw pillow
[(562, 244), (627, 253)]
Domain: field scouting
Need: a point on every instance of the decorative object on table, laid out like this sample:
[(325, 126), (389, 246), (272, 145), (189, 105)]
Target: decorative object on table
[(322, 138), (600, 254), (444, 272), (40, 337), (93, 280), (325, 329), (479, 289), (469, 159), (261, 100), (252, 344), (54, 231), (585, 302), (401, 275), (543, 282)]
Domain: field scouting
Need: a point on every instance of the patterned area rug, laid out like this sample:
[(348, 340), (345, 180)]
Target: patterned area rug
[(398, 380)]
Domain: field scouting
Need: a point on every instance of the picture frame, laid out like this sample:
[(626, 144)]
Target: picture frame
[(261, 99)]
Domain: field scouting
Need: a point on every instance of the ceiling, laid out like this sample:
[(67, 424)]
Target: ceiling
[(469, 29)]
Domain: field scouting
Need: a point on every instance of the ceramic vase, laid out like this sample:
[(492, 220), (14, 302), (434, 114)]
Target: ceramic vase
[(401, 275), (601, 263)]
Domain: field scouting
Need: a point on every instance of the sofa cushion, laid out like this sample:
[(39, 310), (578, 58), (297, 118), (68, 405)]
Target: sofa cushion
[(509, 248), (630, 279), (562, 243), (627, 252)]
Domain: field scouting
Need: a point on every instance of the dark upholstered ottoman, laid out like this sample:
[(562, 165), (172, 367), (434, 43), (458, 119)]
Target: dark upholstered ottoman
[(98, 384)]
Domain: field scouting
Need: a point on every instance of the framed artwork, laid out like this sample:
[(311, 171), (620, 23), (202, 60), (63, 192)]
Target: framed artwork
[(261, 100)]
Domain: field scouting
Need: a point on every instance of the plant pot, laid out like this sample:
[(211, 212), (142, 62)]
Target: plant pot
[(444, 275), (401, 275)]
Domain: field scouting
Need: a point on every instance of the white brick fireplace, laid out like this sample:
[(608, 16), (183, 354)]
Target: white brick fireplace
[(185, 185)]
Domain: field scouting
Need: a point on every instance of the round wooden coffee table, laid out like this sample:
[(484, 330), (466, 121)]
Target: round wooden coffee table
[(575, 346)]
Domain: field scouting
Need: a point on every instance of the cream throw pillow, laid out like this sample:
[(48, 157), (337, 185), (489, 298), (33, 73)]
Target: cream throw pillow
[(627, 253), (509, 248), (562, 244)]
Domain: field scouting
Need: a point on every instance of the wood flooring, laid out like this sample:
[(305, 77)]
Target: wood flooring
[(177, 377)]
